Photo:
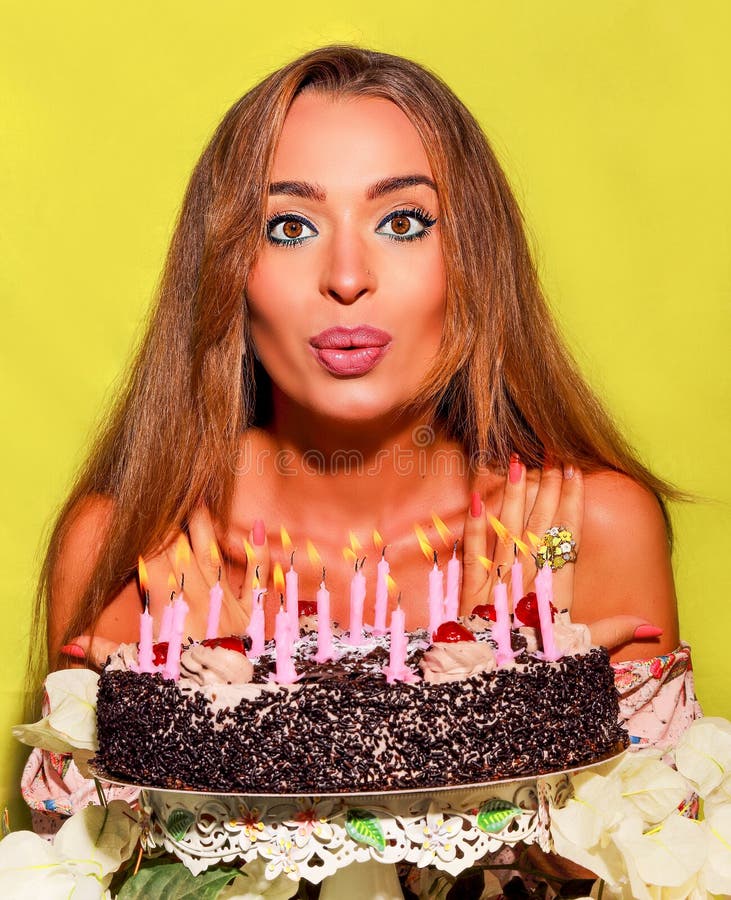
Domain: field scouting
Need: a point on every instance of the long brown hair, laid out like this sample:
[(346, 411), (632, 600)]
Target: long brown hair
[(503, 381)]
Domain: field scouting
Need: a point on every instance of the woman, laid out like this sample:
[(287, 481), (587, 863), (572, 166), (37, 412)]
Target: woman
[(349, 336)]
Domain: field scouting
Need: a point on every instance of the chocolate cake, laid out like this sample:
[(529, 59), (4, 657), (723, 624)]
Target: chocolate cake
[(226, 726)]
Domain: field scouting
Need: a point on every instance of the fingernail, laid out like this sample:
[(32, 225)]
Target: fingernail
[(73, 650), (475, 505), (516, 469), (568, 471), (259, 532), (647, 631)]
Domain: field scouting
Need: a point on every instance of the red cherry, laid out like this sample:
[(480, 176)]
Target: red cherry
[(485, 611), (527, 610), (307, 608), (160, 653), (228, 643), (451, 633)]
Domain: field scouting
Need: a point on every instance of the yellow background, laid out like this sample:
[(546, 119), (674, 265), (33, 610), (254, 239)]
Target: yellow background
[(611, 119)]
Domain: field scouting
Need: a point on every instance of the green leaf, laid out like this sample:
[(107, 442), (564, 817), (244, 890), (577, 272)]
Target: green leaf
[(174, 882), (365, 828), (495, 814), (178, 823)]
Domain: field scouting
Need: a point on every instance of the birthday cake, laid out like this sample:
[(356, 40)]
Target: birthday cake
[(454, 716)]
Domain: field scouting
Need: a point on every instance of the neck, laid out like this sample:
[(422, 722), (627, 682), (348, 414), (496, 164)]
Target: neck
[(368, 472)]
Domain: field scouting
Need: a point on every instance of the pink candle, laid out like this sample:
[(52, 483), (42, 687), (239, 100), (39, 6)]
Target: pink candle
[(144, 655), (291, 580), (215, 599), (381, 594), (436, 597), (324, 632), (501, 628), (516, 588), (144, 650), (397, 670), (544, 596), (286, 673), (180, 611), (256, 622), (357, 601), (451, 604)]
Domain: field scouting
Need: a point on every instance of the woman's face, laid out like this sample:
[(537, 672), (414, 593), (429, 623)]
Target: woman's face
[(347, 295)]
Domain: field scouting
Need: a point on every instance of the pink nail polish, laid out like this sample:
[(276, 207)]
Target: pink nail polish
[(647, 631), (568, 472), (516, 469), (259, 532), (475, 505), (73, 650)]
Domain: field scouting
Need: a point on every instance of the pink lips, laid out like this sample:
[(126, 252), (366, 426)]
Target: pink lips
[(350, 351)]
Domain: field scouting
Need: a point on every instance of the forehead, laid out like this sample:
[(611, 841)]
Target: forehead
[(335, 140)]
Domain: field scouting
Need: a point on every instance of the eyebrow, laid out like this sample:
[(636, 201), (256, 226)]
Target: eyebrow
[(315, 192)]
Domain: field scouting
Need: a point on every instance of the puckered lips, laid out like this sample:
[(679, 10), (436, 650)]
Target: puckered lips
[(350, 351)]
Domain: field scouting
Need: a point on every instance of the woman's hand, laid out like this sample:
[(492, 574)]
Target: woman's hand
[(532, 503), (554, 496), (201, 573)]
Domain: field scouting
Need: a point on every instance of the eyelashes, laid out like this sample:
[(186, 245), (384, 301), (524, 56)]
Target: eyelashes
[(408, 224)]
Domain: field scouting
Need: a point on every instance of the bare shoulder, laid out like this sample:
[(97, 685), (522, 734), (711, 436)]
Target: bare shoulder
[(614, 500), (77, 555), (624, 565)]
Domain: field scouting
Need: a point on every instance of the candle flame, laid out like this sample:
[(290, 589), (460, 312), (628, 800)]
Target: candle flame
[(278, 578), (354, 542), (215, 555), (172, 581), (377, 540), (503, 535), (349, 556), (533, 538), (444, 533), (426, 547), (487, 563), (250, 553), (142, 571), (391, 586), (286, 541), (313, 556), (182, 552), (521, 547)]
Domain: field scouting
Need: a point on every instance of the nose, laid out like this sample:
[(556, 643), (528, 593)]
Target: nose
[(347, 275)]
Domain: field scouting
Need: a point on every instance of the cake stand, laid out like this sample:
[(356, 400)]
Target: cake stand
[(322, 837)]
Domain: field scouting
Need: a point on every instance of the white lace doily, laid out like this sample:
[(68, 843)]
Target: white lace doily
[(311, 837)]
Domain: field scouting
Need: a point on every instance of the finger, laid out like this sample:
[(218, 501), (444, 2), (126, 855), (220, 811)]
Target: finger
[(475, 579), (512, 513), (95, 650), (617, 630), (545, 506), (570, 515), (257, 557), (205, 547)]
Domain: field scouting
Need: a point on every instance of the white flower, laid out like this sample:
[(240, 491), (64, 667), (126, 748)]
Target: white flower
[(669, 855), (716, 874), (88, 849), (71, 723), (437, 836), (652, 787), (703, 754), (253, 884)]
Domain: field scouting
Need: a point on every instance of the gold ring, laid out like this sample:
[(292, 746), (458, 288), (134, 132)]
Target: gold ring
[(557, 547)]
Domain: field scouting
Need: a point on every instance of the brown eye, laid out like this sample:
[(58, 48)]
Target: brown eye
[(292, 228), (400, 225), (289, 230)]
